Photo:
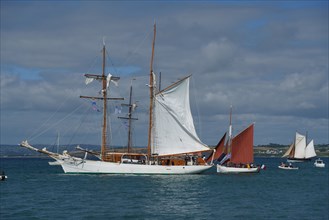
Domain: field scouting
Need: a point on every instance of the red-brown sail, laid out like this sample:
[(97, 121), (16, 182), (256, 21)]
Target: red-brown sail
[(242, 146), (219, 150)]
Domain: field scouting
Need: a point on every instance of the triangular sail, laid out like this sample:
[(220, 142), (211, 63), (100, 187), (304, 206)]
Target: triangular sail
[(309, 151), (219, 150), (242, 146), (173, 127), (289, 151), (300, 145)]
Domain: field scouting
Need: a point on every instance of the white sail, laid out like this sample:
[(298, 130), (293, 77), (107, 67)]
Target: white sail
[(300, 145), (173, 128), (309, 151)]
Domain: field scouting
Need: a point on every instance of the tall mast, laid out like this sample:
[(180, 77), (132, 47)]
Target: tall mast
[(151, 96), (104, 92), (104, 81), (129, 118)]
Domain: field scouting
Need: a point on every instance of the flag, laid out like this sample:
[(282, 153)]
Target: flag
[(89, 80), (263, 167), (134, 106), (108, 80), (117, 110), (94, 106), (125, 124)]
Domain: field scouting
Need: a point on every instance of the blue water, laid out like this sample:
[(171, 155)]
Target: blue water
[(35, 190)]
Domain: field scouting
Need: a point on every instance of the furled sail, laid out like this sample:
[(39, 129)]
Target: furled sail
[(242, 146), (173, 127)]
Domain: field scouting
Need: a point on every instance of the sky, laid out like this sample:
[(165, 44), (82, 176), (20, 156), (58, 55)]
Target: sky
[(268, 59)]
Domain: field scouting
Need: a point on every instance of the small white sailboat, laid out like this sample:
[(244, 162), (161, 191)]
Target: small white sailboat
[(239, 152), (299, 151), (319, 163), (173, 145)]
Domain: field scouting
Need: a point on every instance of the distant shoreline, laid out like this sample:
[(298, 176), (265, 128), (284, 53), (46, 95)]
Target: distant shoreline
[(262, 151)]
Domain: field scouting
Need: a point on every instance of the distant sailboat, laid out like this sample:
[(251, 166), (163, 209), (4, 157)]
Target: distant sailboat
[(239, 153), (173, 145), (299, 151)]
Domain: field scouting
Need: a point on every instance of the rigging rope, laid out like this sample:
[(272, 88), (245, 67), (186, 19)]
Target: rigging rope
[(84, 116), (147, 35), (40, 127), (44, 131)]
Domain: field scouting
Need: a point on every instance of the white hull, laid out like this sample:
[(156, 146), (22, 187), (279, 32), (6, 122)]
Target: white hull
[(319, 163), (288, 168), (54, 163), (72, 164), (224, 169), (292, 160), (77, 165)]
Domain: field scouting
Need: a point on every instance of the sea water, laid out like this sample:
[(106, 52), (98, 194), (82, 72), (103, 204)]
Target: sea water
[(35, 190)]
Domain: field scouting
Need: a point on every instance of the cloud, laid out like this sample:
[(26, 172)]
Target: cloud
[(268, 60)]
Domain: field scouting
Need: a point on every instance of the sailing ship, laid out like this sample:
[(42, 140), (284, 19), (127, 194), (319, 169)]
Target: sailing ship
[(238, 154), (173, 144), (299, 151)]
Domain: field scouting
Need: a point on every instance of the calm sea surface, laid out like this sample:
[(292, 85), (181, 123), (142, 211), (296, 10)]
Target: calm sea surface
[(35, 190)]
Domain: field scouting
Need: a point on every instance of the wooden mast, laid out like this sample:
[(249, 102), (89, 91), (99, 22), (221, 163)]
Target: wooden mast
[(103, 79), (151, 97), (104, 92)]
